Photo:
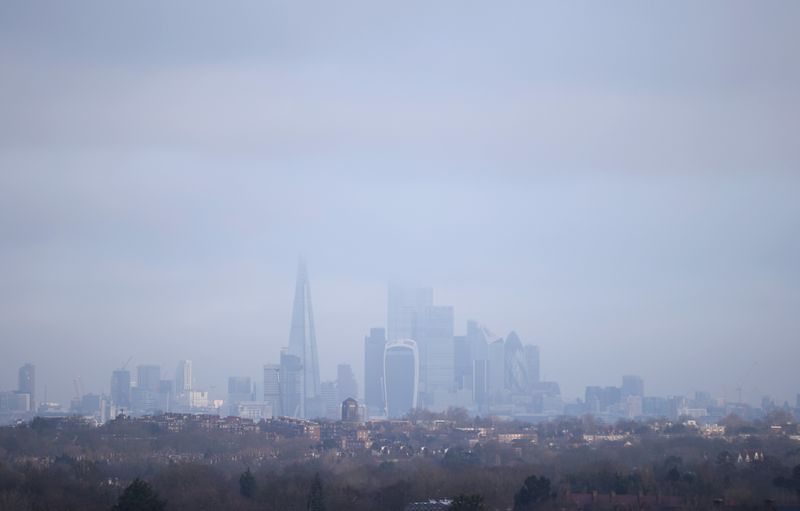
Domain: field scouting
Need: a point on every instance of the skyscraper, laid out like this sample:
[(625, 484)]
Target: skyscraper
[(302, 337), (121, 389), (463, 365), (26, 383), (401, 370), (240, 388), (516, 371), (148, 377), (532, 362), (401, 312), (272, 388), (412, 315), (183, 377), (346, 384), (291, 378), (497, 369), (374, 345), (632, 386)]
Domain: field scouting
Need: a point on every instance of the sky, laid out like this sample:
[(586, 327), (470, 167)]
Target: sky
[(617, 182)]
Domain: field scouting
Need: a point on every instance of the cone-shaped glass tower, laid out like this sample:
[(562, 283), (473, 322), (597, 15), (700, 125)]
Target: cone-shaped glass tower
[(302, 338)]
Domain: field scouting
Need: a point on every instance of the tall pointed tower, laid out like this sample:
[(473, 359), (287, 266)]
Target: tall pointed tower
[(302, 338)]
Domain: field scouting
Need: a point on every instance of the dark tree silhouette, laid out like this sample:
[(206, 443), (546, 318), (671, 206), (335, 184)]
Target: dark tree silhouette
[(534, 490), (316, 500), (247, 484), (790, 483), (139, 496), (467, 503)]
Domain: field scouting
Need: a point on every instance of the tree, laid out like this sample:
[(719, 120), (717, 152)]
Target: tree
[(247, 484), (316, 500), (467, 503), (139, 496), (534, 491), (790, 483)]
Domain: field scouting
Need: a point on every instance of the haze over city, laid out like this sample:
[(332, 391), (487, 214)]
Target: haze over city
[(617, 186)]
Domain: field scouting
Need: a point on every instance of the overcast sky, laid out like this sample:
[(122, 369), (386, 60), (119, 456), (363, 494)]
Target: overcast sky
[(618, 182)]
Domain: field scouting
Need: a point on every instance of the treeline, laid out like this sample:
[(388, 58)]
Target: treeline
[(60, 468)]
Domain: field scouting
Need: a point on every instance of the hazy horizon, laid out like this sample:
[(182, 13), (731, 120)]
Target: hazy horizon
[(618, 184)]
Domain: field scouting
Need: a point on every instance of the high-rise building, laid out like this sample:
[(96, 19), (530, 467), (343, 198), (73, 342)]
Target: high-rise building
[(594, 399), (463, 365), (240, 389), (401, 312), (401, 369), (516, 367), (26, 383), (480, 382), (346, 382), (497, 369), (302, 337), (148, 377), (412, 315), (632, 386), (532, 363), (121, 389), (374, 345), (272, 388), (183, 377), (291, 378), (330, 399), (478, 338)]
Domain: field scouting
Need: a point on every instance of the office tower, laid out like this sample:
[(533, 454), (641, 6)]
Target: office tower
[(374, 345), (611, 396), (302, 337), (331, 401), (183, 377), (412, 315), (401, 312), (291, 378), (121, 389), (594, 399), (462, 366), (166, 395), (346, 382), (26, 383), (632, 386), (272, 388), (480, 382), (532, 364), (240, 388), (401, 377), (478, 338), (516, 370), (497, 369), (148, 377), (350, 410)]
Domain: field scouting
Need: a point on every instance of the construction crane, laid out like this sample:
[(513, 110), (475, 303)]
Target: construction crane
[(126, 363)]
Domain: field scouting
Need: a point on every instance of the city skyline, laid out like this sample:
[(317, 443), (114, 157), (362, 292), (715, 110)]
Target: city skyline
[(507, 365), (616, 184)]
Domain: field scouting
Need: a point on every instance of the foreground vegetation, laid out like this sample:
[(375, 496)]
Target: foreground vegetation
[(44, 466)]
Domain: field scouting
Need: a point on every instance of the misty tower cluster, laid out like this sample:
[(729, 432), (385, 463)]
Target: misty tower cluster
[(419, 362)]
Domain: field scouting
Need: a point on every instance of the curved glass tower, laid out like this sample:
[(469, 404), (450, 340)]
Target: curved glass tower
[(401, 377)]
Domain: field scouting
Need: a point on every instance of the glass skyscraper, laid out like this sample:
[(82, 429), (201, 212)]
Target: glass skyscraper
[(302, 337), (401, 369)]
